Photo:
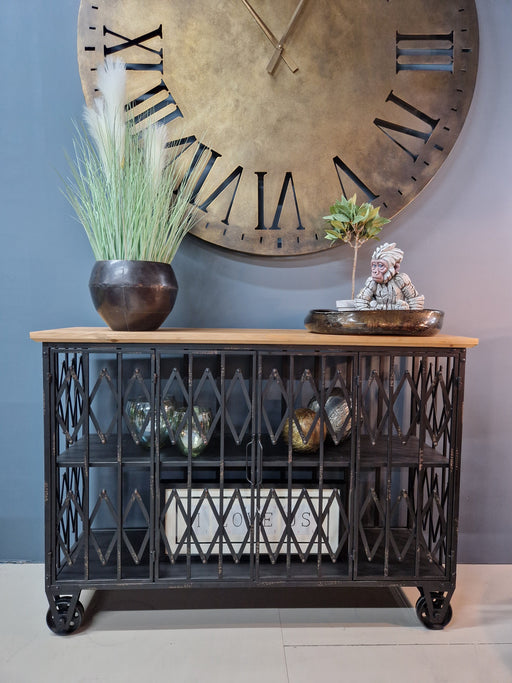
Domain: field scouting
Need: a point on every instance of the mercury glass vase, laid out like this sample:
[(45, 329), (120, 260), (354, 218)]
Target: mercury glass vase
[(199, 428), (138, 411), (338, 414)]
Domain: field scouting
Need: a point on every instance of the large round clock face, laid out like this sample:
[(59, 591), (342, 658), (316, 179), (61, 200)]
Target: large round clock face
[(289, 104)]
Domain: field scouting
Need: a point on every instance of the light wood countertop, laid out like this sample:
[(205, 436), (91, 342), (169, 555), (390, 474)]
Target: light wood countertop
[(245, 337)]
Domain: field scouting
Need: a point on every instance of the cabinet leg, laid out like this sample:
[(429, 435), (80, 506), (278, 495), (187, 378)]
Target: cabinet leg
[(433, 608), (65, 614)]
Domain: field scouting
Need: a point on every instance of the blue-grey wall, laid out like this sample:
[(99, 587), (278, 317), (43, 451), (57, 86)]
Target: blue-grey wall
[(457, 237)]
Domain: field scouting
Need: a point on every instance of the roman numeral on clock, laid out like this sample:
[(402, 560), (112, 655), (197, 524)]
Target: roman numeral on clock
[(206, 157), (158, 101), (137, 43), (288, 188), (155, 106), (232, 179), (344, 171), (424, 52), (388, 127)]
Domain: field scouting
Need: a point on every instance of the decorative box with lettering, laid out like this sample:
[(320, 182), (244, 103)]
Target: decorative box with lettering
[(270, 529)]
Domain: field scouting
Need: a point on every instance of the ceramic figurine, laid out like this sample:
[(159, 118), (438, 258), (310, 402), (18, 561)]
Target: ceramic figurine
[(386, 288)]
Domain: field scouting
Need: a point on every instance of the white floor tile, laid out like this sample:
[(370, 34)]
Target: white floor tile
[(482, 613), (399, 664), (129, 637)]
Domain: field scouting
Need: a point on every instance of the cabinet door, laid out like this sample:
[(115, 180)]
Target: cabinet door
[(305, 419), (206, 469), (407, 462), (100, 465)]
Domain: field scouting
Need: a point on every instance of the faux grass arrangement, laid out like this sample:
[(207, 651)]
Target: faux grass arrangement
[(127, 188)]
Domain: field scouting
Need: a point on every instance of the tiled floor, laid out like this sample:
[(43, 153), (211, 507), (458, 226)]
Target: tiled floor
[(133, 636)]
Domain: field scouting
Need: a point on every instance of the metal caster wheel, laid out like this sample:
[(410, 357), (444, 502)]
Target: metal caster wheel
[(424, 617), (61, 628)]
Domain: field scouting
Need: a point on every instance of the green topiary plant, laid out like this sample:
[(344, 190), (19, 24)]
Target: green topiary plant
[(354, 225)]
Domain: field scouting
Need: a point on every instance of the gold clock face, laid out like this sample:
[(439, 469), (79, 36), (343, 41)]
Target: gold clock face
[(288, 104)]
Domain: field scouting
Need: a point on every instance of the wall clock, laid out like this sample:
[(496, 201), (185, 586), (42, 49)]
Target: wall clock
[(290, 103)]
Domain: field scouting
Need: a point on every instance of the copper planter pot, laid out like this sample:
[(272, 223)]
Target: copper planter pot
[(133, 295)]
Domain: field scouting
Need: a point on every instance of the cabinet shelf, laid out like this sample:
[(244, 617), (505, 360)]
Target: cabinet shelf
[(274, 456), (104, 454), (191, 570), (401, 454)]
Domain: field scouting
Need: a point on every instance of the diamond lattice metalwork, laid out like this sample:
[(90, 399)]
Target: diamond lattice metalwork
[(135, 501), (337, 388), (372, 503), (374, 384), (104, 503), (433, 519), (136, 382), (173, 390), (236, 502), (306, 386), (173, 499), (274, 386), (406, 386), (71, 480), (391, 393), (210, 528), (237, 395), (273, 500), (306, 383), (301, 524), (335, 506), (70, 397), (438, 405), (70, 520), (205, 500), (403, 501), (207, 383), (304, 553), (104, 380)]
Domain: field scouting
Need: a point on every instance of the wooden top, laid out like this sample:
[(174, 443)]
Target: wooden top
[(245, 337)]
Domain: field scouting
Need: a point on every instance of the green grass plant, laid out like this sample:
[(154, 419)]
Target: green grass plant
[(131, 192)]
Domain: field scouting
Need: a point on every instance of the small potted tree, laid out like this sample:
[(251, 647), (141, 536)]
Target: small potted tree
[(353, 224)]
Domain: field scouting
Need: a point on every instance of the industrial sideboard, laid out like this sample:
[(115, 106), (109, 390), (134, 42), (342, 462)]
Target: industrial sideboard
[(250, 458)]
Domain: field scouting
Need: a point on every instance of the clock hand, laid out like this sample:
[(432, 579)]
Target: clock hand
[(271, 37), (278, 52)]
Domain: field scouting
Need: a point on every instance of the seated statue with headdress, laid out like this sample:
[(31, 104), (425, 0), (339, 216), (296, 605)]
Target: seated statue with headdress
[(386, 288)]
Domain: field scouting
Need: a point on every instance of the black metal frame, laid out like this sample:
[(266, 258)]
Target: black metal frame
[(378, 509)]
